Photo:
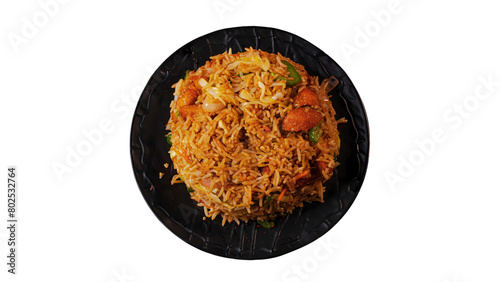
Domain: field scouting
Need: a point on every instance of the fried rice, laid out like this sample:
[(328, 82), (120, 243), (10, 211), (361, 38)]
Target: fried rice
[(253, 135)]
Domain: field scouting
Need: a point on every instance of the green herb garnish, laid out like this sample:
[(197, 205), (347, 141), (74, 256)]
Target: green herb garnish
[(266, 223)]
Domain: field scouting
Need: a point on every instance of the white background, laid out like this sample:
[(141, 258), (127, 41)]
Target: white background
[(428, 209)]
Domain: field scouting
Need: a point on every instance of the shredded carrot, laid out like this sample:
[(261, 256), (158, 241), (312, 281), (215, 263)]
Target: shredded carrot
[(150, 189), (184, 154), (266, 128), (302, 174), (282, 194)]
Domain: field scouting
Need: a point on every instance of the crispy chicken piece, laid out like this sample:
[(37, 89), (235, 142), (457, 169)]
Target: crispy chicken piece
[(306, 97), (187, 98), (301, 119), (189, 110)]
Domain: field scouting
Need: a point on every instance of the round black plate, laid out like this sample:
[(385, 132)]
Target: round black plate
[(172, 204)]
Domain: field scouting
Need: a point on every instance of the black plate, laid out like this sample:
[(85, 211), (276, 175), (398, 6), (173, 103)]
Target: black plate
[(172, 204)]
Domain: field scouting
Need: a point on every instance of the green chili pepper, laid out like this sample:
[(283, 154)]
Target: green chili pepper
[(293, 74), (187, 74), (169, 139), (180, 177), (190, 190), (315, 133), (177, 113), (268, 199), (335, 158), (266, 223)]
